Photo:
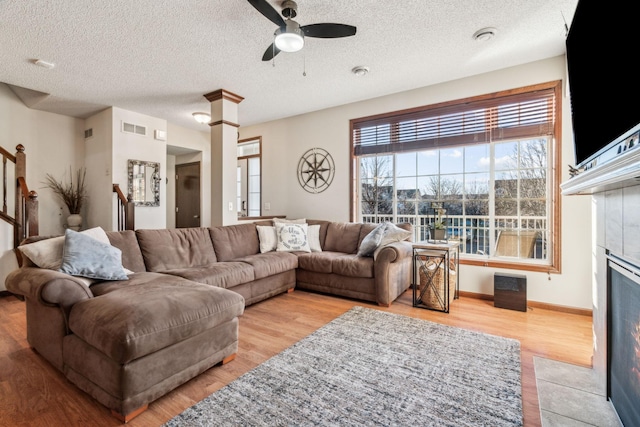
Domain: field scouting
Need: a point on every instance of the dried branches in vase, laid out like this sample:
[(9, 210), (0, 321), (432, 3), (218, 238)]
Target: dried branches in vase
[(73, 194)]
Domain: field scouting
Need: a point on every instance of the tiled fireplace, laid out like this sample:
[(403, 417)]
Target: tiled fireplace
[(623, 355), (615, 190)]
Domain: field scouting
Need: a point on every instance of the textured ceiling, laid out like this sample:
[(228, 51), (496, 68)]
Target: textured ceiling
[(158, 57)]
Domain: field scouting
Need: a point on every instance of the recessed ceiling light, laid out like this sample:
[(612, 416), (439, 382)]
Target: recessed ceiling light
[(360, 70), (484, 34), (44, 64), (202, 117)]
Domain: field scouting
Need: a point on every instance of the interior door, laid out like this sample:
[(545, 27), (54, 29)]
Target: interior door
[(188, 195)]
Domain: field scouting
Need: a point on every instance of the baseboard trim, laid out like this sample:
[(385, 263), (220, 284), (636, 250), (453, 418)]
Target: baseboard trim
[(534, 304)]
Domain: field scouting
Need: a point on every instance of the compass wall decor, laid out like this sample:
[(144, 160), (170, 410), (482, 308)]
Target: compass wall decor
[(316, 170)]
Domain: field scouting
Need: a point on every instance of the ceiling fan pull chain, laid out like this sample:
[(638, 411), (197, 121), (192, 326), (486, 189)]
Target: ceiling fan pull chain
[(304, 65)]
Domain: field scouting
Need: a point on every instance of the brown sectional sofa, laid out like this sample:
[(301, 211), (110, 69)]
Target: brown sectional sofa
[(128, 342)]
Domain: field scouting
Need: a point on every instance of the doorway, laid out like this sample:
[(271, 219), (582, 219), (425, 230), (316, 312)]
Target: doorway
[(188, 195)]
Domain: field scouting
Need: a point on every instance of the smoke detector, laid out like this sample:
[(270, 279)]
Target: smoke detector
[(360, 70), (484, 34)]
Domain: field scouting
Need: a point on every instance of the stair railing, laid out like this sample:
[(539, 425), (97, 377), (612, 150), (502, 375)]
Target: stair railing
[(126, 210), (25, 218)]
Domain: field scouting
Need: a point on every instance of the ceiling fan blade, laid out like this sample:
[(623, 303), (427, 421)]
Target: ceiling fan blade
[(270, 53), (268, 11), (328, 31)]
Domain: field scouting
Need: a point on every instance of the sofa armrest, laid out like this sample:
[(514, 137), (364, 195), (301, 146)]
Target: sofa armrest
[(48, 287), (393, 251), (392, 271)]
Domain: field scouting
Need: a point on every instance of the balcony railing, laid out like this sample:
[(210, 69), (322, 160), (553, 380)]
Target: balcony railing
[(477, 237)]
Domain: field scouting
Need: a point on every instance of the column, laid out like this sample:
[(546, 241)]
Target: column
[(224, 156)]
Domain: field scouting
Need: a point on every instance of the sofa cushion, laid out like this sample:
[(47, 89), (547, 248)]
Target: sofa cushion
[(353, 266), (221, 274), (343, 237), (319, 262), (131, 256), (138, 320), (167, 249), (235, 241), (271, 263)]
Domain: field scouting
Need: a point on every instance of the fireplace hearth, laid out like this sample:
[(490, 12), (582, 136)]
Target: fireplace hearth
[(623, 348)]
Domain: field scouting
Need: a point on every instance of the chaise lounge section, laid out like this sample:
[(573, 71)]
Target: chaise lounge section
[(129, 342)]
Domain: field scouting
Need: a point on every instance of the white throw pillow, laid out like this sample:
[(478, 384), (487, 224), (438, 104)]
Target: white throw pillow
[(292, 237), (393, 233), (289, 221), (268, 238), (48, 253), (313, 235)]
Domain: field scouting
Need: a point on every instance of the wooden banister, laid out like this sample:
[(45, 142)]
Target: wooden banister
[(126, 210), (25, 218)]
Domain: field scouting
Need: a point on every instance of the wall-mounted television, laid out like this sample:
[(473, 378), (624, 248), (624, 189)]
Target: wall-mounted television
[(604, 83)]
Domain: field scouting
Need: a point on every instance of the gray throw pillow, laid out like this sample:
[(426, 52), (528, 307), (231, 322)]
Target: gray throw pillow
[(372, 240), (87, 257)]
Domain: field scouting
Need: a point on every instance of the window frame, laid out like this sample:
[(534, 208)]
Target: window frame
[(493, 99)]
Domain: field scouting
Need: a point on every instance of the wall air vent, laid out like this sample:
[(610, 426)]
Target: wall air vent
[(88, 133), (131, 128)]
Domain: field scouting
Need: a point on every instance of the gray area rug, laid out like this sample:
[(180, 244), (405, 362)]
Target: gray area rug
[(369, 367)]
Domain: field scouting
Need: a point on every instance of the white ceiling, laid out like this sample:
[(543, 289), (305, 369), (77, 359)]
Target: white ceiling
[(158, 57)]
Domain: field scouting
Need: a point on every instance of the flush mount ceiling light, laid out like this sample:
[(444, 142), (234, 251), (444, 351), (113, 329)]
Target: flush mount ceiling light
[(202, 117), (484, 34), (360, 70)]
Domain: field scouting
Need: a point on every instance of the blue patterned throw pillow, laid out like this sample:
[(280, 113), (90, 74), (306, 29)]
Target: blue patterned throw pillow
[(87, 257)]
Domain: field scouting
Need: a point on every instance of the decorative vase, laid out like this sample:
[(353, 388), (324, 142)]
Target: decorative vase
[(74, 221)]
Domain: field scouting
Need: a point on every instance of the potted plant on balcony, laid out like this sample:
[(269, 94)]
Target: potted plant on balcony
[(73, 195)]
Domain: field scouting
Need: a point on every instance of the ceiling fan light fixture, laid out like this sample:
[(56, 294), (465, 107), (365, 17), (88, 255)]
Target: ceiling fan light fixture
[(291, 39), (202, 117)]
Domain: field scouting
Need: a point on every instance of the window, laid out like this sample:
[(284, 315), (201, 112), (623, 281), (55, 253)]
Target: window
[(249, 180), (489, 161)]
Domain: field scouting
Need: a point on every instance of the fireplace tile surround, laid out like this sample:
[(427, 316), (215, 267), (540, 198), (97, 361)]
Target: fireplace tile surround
[(615, 191)]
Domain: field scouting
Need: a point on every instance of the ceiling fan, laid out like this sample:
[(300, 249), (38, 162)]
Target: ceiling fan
[(289, 37)]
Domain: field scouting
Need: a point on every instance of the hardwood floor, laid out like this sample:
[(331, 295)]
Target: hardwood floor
[(33, 393)]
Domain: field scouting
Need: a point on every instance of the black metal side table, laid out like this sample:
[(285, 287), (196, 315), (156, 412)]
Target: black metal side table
[(435, 280)]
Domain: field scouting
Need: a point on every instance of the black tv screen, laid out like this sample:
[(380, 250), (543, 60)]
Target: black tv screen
[(604, 83)]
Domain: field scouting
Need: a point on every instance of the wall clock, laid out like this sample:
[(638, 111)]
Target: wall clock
[(316, 170)]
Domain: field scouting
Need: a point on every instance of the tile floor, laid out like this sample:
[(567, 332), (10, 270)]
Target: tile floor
[(568, 397)]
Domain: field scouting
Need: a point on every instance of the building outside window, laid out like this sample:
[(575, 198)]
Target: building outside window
[(490, 162)]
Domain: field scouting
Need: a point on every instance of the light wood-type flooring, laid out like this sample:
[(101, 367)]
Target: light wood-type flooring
[(33, 393)]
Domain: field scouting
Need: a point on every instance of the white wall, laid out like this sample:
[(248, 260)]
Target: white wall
[(284, 141), (138, 147), (99, 210), (53, 144)]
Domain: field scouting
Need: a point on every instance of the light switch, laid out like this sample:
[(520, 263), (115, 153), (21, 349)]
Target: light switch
[(230, 206)]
